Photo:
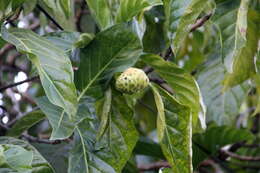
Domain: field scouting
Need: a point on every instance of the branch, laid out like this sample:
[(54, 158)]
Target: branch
[(239, 157), (154, 166), (49, 17), (39, 140), (200, 22), (19, 83)]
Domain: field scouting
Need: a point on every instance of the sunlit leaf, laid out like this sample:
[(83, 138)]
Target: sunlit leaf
[(174, 131), (184, 86), (101, 12), (112, 50), (130, 8), (38, 164), (180, 15), (53, 65)]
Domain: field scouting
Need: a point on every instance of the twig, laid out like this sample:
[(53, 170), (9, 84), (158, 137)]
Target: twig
[(39, 140), (79, 15), (19, 83), (200, 22), (49, 17), (154, 166), (239, 157)]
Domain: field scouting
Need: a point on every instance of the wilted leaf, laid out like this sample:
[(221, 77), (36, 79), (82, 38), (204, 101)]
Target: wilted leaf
[(53, 65)]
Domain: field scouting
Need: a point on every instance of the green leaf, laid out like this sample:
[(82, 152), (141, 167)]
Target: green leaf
[(246, 43), (9, 8), (215, 138), (62, 126), (101, 12), (113, 150), (154, 20), (147, 147), (221, 107), (112, 50), (180, 15), (63, 39), (53, 65), (38, 163), (25, 122), (18, 158), (56, 155), (130, 8), (103, 112), (61, 11), (185, 87), (174, 131)]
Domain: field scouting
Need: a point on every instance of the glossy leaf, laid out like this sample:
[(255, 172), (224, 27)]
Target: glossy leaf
[(38, 163), (184, 86), (215, 138), (174, 131), (101, 12), (130, 8), (53, 65), (246, 43), (180, 15), (222, 107), (62, 126), (147, 147), (112, 50), (112, 151), (61, 11), (26, 122)]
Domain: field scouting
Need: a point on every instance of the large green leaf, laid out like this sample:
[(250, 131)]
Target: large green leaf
[(112, 50), (130, 8), (180, 15), (16, 158), (184, 86), (113, 150), (61, 11), (101, 12), (38, 164), (57, 155), (174, 131), (62, 126), (26, 122), (214, 138), (221, 107), (53, 65), (246, 44)]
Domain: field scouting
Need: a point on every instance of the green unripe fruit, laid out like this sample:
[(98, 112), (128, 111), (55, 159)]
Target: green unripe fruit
[(132, 80)]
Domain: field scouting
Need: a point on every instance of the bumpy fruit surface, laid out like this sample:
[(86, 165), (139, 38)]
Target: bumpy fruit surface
[(132, 80)]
